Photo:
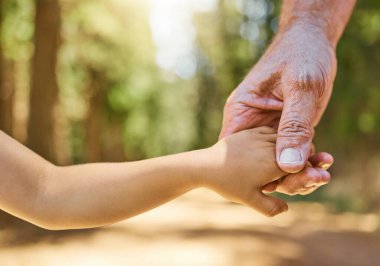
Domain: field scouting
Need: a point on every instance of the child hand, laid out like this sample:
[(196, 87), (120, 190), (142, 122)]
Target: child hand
[(241, 164)]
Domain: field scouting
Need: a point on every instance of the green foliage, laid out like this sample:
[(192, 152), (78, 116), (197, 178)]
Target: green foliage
[(354, 108), (17, 28)]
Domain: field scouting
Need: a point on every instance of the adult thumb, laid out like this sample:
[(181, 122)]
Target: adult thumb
[(295, 131)]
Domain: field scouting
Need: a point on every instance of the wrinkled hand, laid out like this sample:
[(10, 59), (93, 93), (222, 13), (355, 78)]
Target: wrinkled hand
[(313, 176), (288, 89)]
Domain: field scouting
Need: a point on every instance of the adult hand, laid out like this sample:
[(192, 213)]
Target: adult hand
[(288, 89), (313, 176)]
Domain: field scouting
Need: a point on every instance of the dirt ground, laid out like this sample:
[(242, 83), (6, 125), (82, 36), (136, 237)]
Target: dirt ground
[(202, 229)]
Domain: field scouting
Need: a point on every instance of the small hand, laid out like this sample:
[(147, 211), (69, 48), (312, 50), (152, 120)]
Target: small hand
[(241, 164)]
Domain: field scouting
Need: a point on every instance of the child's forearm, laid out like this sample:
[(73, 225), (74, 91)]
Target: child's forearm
[(98, 194), (89, 195), (22, 175)]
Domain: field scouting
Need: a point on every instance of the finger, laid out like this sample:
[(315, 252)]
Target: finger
[(305, 182), (322, 160), (264, 133), (325, 175), (271, 187), (300, 182), (307, 191), (265, 130), (245, 109), (295, 130), (311, 188), (268, 205), (234, 116)]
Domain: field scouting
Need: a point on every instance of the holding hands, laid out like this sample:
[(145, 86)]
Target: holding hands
[(265, 144), (289, 88), (240, 166)]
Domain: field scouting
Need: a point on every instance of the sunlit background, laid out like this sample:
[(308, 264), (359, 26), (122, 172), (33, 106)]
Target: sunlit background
[(120, 80)]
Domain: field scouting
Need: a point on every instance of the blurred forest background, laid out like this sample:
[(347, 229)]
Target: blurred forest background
[(115, 80)]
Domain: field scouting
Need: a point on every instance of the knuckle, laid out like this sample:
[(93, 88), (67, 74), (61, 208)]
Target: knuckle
[(268, 130), (274, 210), (300, 128), (291, 188), (309, 78), (291, 191)]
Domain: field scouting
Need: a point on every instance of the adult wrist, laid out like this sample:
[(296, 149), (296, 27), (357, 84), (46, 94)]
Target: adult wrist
[(309, 29)]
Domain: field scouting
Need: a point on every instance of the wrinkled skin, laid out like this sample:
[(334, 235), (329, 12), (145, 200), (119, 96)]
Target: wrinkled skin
[(289, 88), (288, 91)]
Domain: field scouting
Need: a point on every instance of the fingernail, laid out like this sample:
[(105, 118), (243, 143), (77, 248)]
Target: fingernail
[(290, 155), (325, 166)]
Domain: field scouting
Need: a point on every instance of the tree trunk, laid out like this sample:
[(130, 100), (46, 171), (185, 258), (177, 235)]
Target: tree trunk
[(95, 94), (7, 96), (5, 111), (113, 142), (6, 87), (44, 87), (103, 137)]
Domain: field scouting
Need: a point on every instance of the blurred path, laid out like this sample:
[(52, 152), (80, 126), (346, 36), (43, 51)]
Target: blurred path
[(202, 229)]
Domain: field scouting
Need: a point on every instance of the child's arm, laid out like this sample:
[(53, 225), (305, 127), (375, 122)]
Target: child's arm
[(97, 194)]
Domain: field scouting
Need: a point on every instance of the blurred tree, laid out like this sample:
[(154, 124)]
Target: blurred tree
[(7, 88), (44, 88), (11, 34), (350, 128), (105, 63), (94, 123), (228, 50)]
